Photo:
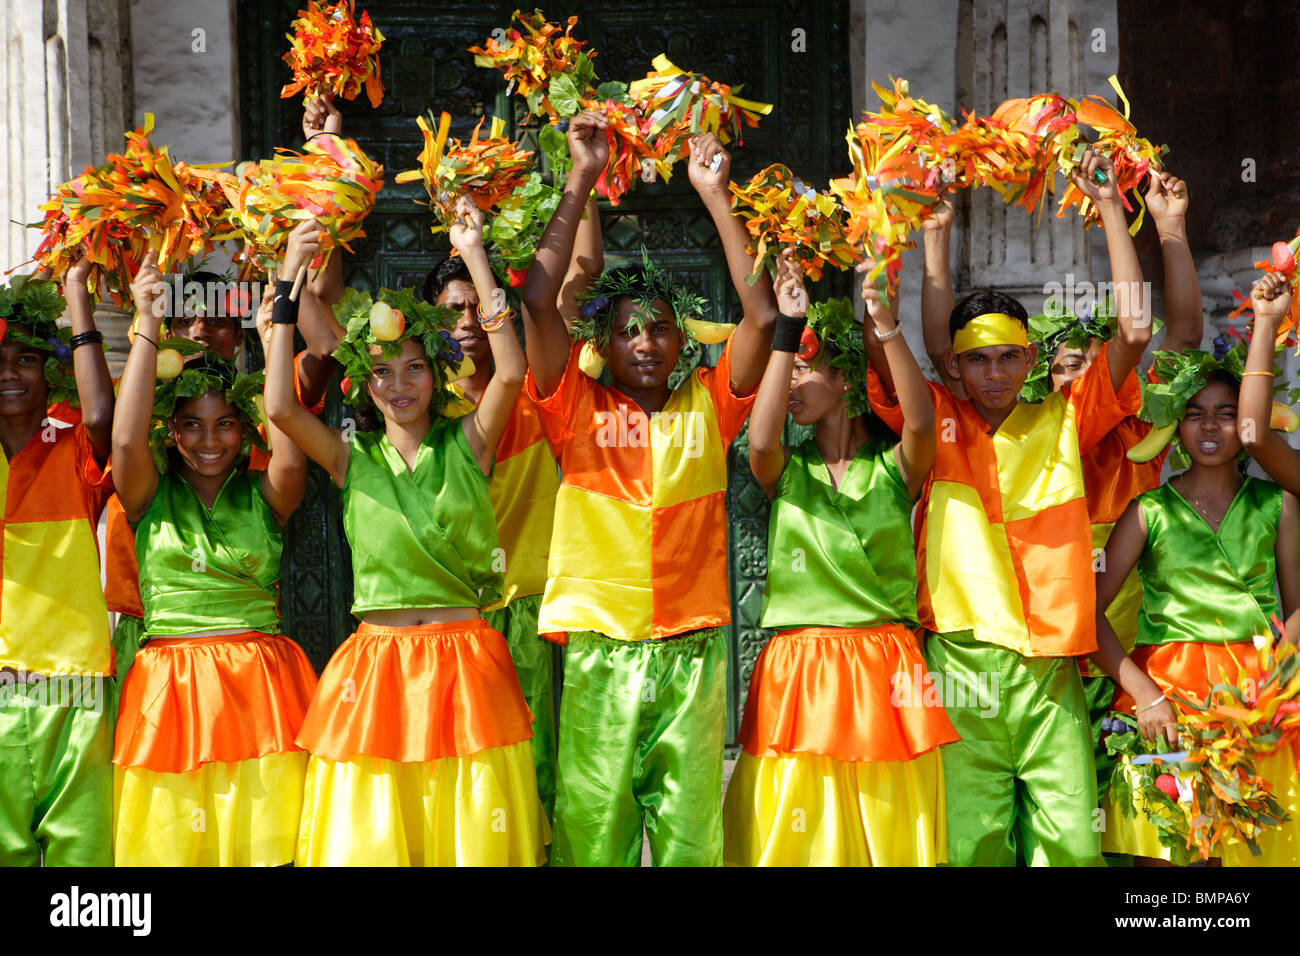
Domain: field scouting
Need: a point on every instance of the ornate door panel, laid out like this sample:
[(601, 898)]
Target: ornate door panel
[(425, 66)]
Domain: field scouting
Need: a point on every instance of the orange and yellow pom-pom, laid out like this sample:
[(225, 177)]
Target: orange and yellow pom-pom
[(780, 210), (631, 156), (138, 200), (679, 105), (333, 53), (333, 182), (487, 170), (534, 57), (1283, 262)]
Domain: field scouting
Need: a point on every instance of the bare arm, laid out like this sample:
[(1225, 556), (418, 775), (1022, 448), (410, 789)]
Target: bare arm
[(767, 454), (1133, 306), (1127, 541), (915, 450), (324, 445), (586, 264), (94, 383), (486, 424), (752, 340), (545, 335), (285, 478), (322, 332), (1270, 298), (135, 476), (1167, 200), (937, 299)]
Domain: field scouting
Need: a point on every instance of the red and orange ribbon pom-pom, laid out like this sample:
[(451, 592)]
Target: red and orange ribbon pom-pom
[(333, 54), (333, 182), (780, 210), (137, 200), (1132, 156), (680, 104), (543, 62), (1283, 262), (630, 152), (487, 170)]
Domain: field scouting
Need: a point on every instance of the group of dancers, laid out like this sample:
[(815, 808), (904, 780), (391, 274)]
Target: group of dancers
[(929, 535)]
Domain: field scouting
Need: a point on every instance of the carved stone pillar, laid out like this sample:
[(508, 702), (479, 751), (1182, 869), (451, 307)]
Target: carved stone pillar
[(1009, 48)]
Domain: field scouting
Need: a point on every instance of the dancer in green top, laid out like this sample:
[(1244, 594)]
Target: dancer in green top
[(841, 763)]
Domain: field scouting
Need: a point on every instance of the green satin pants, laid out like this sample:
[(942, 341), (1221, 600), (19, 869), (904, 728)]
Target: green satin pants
[(56, 771), (1022, 777), (641, 736), (534, 665)]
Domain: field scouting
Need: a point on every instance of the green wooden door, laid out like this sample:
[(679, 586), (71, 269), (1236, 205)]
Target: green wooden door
[(424, 66)]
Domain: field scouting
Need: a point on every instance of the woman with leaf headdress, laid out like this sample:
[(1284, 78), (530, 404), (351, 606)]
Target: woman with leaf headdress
[(418, 732), (836, 723), (1208, 545), (214, 698)]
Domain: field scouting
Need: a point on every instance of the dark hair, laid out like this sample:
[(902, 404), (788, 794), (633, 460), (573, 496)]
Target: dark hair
[(982, 303), (1221, 376), (445, 272)]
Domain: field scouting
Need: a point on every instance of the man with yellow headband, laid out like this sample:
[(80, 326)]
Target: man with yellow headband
[(1005, 569)]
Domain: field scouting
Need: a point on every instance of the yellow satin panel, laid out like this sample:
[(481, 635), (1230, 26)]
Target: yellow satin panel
[(222, 814), (477, 810), (1278, 847), (593, 584), (684, 439), (991, 607), (523, 491), (809, 810), (1037, 450), (52, 623)]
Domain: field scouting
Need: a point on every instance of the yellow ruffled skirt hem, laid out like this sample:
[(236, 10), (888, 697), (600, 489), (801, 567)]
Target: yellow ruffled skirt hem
[(1279, 846), (476, 810), (242, 813), (811, 810)]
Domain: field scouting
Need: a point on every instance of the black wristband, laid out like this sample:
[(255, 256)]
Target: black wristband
[(284, 310), (788, 332), (85, 338)]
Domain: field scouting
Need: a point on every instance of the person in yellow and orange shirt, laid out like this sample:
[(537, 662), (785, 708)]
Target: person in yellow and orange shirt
[(1067, 345), (56, 657), (638, 564), (1004, 566)]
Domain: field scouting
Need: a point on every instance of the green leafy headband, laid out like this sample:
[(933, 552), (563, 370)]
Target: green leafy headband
[(1182, 375), (833, 323), (599, 305), (431, 324), (1049, 330), (29, 313), (212, 373)]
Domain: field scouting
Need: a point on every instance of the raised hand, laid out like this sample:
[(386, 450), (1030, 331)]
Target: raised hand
[(1166, 196), (1086, 179), (941, 215), (147, 287), (466, 231), (81, 266), (320, 115), (709, 167), (791, 296), (303, 247), (1270, 298), (588, 147)]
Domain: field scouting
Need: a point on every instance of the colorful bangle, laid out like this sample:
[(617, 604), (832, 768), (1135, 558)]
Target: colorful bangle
[(494, 323), (488, 317), (1269, 374)]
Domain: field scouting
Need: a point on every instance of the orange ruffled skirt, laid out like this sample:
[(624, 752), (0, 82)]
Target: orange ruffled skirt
[(841, 765), (1189, 670), (420, 749), (206, 769)]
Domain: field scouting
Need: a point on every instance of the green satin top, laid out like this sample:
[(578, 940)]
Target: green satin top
[(424, 538), (840, 558), (1198, 586), (202, 569)]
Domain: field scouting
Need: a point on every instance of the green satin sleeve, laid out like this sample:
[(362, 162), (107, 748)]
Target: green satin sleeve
[(840, 558), (1198, 586)]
